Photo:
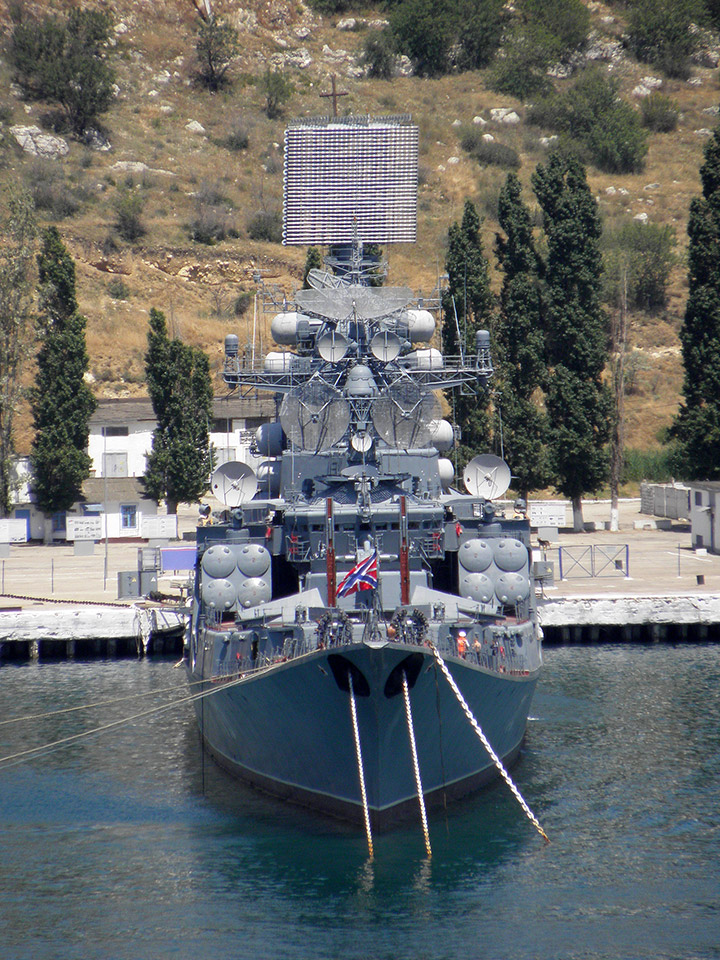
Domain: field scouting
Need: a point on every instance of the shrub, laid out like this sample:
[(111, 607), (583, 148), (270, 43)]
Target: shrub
[(379, 54), (212, 223), (277, 89), (639, 258), (50, 190), (118, 289), (592, 115), (129, 205), (216, 47), (520, 70), (265, 225), (646, 465), (659, 113), (489, 152), (238, 138), (242, 303), (659, 33), (566, 21)]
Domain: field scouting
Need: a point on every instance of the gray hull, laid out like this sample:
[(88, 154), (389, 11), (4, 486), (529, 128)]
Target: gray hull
[(288, 729)]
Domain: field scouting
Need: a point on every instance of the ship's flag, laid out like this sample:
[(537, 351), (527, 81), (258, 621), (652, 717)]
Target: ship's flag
[(363, 576)]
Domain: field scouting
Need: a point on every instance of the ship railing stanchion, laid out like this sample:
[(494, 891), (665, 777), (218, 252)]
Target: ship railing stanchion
[(361, 771), (486, 743), (416, 765)]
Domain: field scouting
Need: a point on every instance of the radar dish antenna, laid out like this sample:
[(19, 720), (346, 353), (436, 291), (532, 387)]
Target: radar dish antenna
[(385, 346), (234, 483), (487, 476), (325, 280), (403, 413), (332, 346), (315, 416)]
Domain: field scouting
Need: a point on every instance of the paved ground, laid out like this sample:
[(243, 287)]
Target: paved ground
[(660, 563)]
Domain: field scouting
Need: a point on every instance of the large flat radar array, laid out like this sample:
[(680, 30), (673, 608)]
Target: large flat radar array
[(346, 180)]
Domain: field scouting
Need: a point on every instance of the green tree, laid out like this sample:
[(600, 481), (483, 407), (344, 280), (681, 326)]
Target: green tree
[(66, 62), (579, 405), (313, 261), (129, 205), (62, 402), (696, 430), (521, 366), (178, 377), (17, 325), (467, 307), (216, 47), (277, 90)]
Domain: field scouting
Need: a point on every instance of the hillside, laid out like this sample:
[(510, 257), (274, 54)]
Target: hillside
[(167, 142)]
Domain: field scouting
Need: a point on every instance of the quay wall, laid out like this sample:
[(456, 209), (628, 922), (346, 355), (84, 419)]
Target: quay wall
[(60, 632), (693, 617)]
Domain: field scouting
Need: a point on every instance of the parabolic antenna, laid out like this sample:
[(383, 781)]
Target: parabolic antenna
[(402, 415), (385, 346), (234, 483), (325, 280), (332, 346), (315, 416), (354, 301), (487, 476), (361, 441)]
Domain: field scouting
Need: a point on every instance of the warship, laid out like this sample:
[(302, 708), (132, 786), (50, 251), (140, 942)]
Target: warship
[(363, 633)]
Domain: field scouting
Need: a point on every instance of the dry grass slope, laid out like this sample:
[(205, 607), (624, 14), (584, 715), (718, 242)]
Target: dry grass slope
[(190, 172)]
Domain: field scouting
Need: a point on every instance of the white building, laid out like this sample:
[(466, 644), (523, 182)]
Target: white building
[(705, 515), (120, 439), (121, 433)]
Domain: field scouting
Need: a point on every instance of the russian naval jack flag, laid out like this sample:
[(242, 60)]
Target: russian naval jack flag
[(363, 576)]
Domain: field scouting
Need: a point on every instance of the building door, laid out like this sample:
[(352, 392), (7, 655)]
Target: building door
[(24, 515)]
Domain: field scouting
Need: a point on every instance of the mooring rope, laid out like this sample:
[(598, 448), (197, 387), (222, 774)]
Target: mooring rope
[(56, 744), (99, 703), (361, 772), (416, 765), (486, 743)]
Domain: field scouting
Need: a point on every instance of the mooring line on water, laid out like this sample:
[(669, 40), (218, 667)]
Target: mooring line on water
[(416, 764), (32, 752), (98, 703), (361, 771), (486, 743)]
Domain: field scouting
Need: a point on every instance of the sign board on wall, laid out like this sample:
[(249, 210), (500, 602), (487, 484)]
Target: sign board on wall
[(84, 528), (13, 531), (159, 528), (547, 513)]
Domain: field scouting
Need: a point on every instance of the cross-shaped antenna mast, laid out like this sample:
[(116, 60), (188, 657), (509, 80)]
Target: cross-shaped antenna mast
[(334, 93)]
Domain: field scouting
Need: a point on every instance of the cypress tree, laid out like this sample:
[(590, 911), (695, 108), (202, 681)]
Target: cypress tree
[(578, 403), (178, 377), (17, 325), (62, 403), (696, 429), (467, 307), (521, 366)]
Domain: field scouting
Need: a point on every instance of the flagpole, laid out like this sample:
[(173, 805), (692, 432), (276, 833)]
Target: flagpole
[(330, 544)]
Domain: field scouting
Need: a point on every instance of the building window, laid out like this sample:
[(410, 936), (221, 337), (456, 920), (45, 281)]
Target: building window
[(115, 431), (128, 516), (698, 498), (221, 425), (58, 522)]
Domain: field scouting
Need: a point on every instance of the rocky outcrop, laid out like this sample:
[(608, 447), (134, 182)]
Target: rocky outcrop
[(39, 144)]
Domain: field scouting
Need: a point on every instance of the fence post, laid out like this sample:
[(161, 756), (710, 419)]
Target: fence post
[(560, 562), (627, 560)]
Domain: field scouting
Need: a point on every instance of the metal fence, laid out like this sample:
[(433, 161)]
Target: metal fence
[(594, 560)]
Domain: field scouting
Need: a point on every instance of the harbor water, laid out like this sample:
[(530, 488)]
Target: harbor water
[(129, 844)]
